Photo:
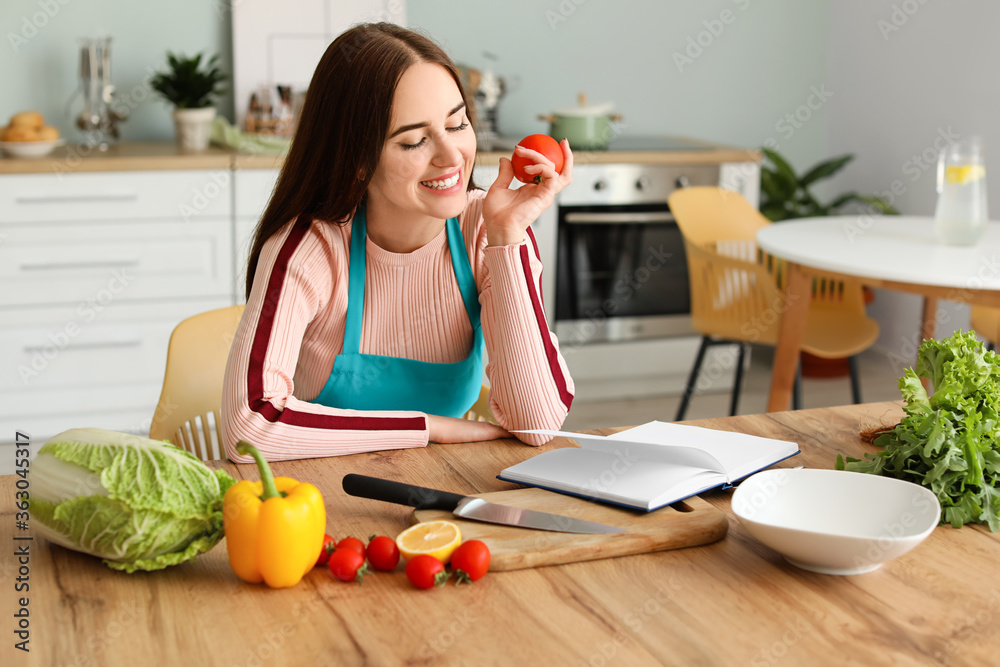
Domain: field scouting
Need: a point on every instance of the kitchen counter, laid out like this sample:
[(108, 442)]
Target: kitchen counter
[(153, 156), (139, 156), (731, 602)]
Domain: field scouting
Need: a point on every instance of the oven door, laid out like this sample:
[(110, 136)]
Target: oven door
[(621, 274)]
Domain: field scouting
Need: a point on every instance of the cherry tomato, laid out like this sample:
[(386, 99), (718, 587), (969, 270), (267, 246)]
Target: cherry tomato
[(545, 145), (425, 571), (470, 561), (382, 552), (324, 553), (352, 543), (347, 565)]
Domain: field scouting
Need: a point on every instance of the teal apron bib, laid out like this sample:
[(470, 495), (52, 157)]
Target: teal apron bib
[(375, 382)]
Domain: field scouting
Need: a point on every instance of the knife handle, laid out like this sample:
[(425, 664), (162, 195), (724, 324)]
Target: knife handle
[(399, 493)]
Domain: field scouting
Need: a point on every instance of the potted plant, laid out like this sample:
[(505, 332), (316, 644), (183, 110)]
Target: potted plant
[(191, 86), (786, 195)]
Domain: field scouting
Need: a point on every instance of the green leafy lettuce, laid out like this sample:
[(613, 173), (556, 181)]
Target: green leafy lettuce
[(139, 504), (947, 441)]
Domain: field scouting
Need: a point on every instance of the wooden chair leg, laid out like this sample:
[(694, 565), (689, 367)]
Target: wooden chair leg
[(797, 388), (692, 379), (855, 379), (738, 380)]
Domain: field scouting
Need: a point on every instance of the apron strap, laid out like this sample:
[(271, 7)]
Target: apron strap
[(356, 284), (356, 279), (463, 271)]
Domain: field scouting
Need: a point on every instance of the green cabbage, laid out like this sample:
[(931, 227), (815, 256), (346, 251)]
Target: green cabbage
[(948, 441), (139, 504)]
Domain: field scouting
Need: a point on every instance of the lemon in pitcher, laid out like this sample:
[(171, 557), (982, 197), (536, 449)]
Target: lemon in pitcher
[(960, 217)]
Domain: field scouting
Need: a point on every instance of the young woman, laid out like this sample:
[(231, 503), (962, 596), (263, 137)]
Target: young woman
[(378, 273)]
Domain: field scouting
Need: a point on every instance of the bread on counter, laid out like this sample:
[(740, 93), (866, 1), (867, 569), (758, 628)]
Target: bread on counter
[(29, 119), (28, 126)]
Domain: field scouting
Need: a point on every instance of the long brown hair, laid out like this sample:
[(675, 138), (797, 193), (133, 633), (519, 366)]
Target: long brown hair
[(343, 125)]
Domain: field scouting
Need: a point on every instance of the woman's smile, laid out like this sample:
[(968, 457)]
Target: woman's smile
[(445, 185)]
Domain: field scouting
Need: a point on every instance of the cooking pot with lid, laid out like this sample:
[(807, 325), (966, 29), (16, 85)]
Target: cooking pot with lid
[(586, 127)]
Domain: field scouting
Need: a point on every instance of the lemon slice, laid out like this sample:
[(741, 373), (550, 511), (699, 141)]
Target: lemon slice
[(434, 538), (962, 174)]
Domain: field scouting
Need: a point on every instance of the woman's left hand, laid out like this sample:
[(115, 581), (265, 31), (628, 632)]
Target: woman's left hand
[(446, 430), (507, 213)]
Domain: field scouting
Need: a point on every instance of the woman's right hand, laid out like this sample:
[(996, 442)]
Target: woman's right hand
[(447, 430), (508, 213)]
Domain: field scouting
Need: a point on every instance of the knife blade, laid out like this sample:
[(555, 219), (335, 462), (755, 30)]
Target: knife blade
[(467, 507)]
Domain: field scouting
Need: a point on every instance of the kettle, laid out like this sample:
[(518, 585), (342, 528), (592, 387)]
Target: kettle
[(960, 216)]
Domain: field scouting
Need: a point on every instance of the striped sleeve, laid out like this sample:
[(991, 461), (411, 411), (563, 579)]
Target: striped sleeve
[(294, 280), (530, 386)]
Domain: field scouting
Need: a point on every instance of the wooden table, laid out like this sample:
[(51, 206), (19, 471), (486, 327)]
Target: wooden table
[(729, 603), (892, 252)]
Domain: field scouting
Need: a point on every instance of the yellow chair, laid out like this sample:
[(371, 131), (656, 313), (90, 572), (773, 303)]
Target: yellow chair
[(986, 323), (188, 411), (737, 290), (480, 410)]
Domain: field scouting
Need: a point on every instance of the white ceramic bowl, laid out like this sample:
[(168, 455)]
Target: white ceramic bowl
[(30, 148), (835, 522)]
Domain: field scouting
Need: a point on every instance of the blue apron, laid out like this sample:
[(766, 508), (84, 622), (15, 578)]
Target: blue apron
[(375, 382)]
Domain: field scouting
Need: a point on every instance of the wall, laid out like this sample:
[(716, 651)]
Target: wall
[(908, 72), (40, 54), (756, 62), (721, 70)]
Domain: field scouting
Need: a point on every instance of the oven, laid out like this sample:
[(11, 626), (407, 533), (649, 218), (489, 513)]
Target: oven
[(620, 268)]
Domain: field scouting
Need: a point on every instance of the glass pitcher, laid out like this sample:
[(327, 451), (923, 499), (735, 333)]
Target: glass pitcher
[(960, 217)]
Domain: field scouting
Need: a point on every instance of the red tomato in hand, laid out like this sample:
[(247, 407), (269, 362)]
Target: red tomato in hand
[(543, 144), (324, 553), (470, 561), (425, 571), (383, 554), (348, 565), (352, 543)]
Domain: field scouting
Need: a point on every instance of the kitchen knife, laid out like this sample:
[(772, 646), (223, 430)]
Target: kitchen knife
[(467, 507)]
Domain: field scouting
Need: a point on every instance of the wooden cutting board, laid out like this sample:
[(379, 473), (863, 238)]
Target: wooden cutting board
[(685, 524)]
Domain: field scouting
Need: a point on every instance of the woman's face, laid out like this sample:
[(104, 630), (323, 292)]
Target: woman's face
[(426, 162)]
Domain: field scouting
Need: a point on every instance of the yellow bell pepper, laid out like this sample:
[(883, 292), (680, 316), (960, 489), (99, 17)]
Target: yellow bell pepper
[(274, 527)]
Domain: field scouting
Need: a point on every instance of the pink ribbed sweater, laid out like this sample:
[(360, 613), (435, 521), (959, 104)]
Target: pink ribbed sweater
[(293, 328)]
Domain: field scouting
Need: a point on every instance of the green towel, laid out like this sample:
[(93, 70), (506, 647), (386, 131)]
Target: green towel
[(228, 135)]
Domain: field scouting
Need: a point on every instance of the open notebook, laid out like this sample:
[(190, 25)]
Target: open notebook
[(648, 466)]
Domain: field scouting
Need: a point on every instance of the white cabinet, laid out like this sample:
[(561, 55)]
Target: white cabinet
[(96, 269), (126, 196), (252, 192), (66, 367), (78, 262), (282, 42)]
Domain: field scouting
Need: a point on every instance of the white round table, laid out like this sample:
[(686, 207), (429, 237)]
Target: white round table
[(892, 252)]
